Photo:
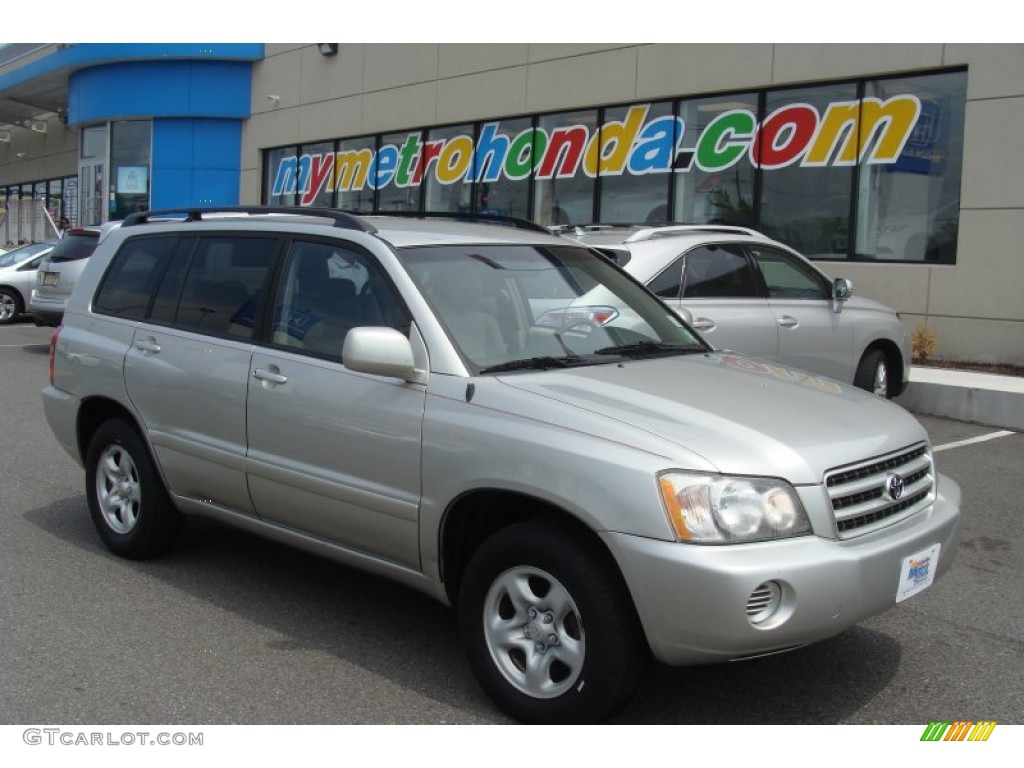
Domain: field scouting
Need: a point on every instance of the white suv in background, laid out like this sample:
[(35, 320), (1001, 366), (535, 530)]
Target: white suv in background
[(60, 269), (751, 294)]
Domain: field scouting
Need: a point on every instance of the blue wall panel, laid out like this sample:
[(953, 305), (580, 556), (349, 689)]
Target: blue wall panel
[(196, 162), (160, 89)]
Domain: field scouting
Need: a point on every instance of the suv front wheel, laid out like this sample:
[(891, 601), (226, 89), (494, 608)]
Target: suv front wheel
[(549, 627), (127, 500)]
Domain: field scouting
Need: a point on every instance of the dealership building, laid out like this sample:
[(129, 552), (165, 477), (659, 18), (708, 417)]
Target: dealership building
[(897, 166)]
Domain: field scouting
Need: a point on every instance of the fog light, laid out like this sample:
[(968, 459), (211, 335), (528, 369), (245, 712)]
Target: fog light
[(763, 602)]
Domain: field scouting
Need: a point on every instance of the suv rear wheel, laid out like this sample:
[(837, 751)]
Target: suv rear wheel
[(549, 627), (127, 500)]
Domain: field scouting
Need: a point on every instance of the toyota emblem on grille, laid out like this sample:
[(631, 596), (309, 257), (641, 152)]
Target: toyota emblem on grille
[(894, 486)]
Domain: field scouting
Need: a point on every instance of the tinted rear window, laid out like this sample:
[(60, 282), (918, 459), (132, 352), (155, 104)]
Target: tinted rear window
[(75, 246)]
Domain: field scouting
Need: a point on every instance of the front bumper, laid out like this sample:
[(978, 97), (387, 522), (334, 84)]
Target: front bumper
[(692, 599)]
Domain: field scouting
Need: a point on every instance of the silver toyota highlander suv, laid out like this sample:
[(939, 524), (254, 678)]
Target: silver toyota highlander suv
[(501, 418)]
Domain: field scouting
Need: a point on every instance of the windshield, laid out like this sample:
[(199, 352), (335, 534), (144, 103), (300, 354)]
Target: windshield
[(510, 307)]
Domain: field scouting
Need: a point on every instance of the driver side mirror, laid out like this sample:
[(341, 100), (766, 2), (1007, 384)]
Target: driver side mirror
[(842, 289)]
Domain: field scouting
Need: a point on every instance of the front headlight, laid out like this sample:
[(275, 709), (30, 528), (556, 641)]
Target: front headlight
[(717, 509)]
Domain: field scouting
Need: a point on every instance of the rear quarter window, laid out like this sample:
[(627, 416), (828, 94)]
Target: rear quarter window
[(129, 281)]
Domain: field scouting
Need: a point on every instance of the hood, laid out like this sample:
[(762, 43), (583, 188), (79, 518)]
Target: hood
[(742, 415)]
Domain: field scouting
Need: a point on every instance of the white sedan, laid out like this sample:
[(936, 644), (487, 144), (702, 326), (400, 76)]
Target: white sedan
[(748, 293)]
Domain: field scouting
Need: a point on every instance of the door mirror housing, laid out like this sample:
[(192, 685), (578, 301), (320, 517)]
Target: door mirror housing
[(685, 314), (379, 351), (842, 289)]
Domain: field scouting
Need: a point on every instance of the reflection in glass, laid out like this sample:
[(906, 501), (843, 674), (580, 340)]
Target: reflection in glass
[(910, 210), (447, 160), (808, 208), (627, 198), (563, 192), (714, 190)]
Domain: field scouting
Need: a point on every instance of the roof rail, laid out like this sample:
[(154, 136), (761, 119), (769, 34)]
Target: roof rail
[(341, 219), (649, 233), (481, 218)]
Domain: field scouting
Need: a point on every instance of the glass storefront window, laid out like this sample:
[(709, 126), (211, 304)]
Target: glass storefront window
[(281, 175), (394, 172), (909, 210), (718, 185), (635, 194), (446, 164), (94, 142), (316, 171), (503, 166), (130, 142), (563, 190), (807, 187), (868, 169), (351, 167)]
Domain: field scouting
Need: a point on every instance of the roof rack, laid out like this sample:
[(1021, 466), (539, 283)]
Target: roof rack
[(341, 219), (482, 218), (649, 233)]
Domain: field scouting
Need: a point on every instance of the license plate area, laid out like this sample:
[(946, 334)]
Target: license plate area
[(917, 572), (50, 279)]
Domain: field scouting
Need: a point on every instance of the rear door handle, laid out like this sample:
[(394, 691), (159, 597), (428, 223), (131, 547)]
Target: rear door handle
[(704, 324), (788, 322), (272, 376), (147, 344)]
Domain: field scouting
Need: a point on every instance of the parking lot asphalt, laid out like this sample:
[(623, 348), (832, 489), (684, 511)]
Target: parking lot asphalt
[(234, 629)]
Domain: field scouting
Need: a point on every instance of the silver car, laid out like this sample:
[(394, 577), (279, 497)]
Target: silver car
[(59, 270), (497, 417), (750, 294), (17, 276)]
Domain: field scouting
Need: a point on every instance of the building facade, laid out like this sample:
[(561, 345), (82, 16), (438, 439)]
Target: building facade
[(896, 166)]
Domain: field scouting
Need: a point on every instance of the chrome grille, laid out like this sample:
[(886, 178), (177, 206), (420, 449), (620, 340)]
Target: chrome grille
[(859, 493)]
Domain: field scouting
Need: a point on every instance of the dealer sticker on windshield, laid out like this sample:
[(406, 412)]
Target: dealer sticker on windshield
[(918, 572)]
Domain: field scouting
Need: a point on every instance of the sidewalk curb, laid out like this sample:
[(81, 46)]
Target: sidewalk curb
[(965, 402)]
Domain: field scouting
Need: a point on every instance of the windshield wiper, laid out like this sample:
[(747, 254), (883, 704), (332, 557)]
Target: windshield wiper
[(641, 348), (534, 363)]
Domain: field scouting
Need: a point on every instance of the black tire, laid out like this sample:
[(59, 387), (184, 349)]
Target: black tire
[(127, 500), (11, 306), (874, 374), (594, 650)]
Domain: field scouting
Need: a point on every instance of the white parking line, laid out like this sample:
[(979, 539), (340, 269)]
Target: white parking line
[(972, 440)]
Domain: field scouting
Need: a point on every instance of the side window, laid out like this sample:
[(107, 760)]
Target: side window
[(129, 281), (666, 284), (223, 285), (788, 277), (718, 271), (326, 289)]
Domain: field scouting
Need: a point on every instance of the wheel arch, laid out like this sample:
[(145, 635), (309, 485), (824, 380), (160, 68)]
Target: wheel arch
[(476, 515), (894, 357), (93, 412)]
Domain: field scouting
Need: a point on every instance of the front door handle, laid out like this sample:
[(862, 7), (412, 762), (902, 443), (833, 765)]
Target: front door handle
[(788, 322), (704, 324), (147, 344), (272, 376)]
